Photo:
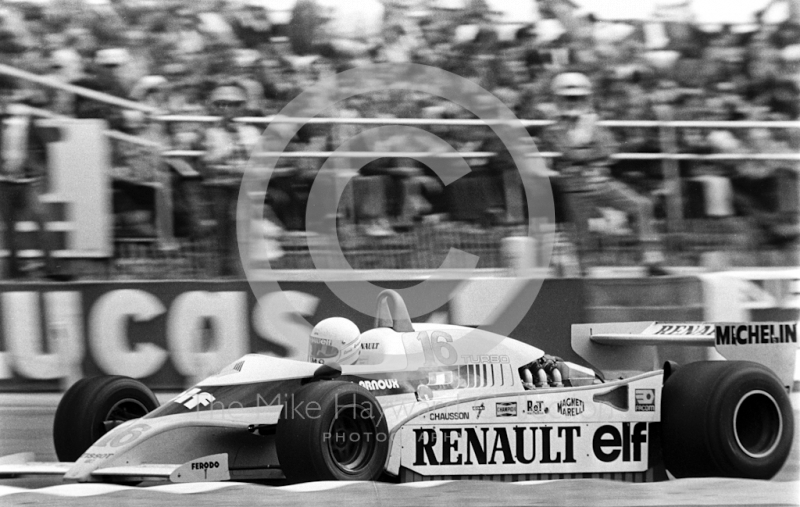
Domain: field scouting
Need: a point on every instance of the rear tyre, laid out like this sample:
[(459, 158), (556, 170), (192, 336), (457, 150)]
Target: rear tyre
[(92, 407), (332, 430), (725, 419)]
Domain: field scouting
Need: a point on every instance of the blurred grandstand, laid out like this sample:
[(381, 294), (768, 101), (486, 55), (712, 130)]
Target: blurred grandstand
[(706, 115)]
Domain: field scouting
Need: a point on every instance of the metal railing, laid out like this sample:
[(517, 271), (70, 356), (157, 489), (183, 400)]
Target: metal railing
[(667, 128), (669, 155)]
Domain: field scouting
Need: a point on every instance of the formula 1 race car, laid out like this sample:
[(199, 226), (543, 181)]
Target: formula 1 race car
[(432, 401)]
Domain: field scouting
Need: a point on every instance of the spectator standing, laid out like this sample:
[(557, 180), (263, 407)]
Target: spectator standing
[(110, 71), (22, 171), (144, 162), (247, 62), (105, 75), (227, 148), (584, 181), (66, 66)]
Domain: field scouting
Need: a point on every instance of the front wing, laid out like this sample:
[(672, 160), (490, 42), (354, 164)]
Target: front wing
[(207, 468)]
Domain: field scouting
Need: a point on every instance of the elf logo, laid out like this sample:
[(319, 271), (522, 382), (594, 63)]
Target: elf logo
[(194, 397), (610, 444)]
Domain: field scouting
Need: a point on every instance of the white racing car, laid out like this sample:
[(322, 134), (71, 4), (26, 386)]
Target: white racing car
[(432, 401)]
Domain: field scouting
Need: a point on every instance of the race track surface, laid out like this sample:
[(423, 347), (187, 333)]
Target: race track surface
[(706, 492), (26, 425)]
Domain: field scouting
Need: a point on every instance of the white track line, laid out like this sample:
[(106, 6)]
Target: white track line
[(95, 489), (192, 487), (308, 487), (423, 484)]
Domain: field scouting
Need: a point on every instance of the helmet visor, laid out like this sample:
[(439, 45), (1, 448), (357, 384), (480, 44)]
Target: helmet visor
[(321, 349)]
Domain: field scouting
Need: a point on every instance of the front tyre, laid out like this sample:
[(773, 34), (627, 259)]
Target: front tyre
[(92, 407), (332, 430), (725, 419)]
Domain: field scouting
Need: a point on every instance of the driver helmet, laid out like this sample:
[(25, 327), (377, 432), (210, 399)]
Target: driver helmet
[(573, 92), (335, 340)]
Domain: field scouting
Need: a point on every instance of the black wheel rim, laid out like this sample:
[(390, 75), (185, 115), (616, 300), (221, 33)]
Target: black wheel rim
[(351, 439), (124, 410), (757, 424)]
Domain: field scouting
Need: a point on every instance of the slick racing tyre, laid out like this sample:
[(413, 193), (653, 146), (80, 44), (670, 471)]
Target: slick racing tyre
[(332, 430), (725, 419), (93, 406)]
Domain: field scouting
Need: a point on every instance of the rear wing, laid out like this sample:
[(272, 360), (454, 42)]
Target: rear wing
[(622, 347)]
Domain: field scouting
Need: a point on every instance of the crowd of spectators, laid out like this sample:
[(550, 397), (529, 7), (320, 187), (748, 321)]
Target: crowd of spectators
[(217, 57)]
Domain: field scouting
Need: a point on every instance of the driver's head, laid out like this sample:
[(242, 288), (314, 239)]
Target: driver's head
[(335, 340)]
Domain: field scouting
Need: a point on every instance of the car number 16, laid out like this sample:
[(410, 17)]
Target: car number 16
[(437, 348)]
